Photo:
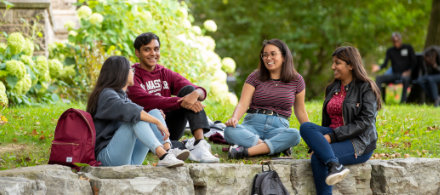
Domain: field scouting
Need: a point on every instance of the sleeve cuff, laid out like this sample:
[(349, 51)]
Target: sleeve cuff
[(204, 93)]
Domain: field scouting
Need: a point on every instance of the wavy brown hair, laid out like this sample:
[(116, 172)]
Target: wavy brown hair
[(351, 56), (288, 72)]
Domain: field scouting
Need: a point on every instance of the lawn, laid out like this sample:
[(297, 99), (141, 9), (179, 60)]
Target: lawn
[(404, 130)]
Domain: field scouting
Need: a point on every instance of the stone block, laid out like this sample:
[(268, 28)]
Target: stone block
[(357, 182), (406, 176), (57, 179), (21, 186), (231, 178), (172, 180)]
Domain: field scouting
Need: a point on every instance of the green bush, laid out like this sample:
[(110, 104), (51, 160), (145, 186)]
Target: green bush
[(25, 79), (184, 48)]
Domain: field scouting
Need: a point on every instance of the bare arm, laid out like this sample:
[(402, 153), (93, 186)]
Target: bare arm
[(300, 107), (243, 104)]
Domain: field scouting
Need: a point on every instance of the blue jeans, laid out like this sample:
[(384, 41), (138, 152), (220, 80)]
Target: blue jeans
[(429, 84), (273, 130), (131, 143), (342, 152)]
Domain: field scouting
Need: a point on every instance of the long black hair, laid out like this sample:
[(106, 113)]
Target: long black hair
[(351, 56), (114, 74), (288, 72)]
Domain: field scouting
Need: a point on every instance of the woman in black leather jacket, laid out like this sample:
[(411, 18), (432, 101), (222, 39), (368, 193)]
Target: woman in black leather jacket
[(348, 133)]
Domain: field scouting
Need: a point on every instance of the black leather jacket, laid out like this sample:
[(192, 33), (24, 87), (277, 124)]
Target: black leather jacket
[(359, 111)]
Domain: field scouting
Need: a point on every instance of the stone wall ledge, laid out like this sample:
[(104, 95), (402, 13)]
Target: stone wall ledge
[(397, 176), (28, 4)]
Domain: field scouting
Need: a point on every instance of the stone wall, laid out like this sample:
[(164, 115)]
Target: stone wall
[(29, 17), (397, 176)]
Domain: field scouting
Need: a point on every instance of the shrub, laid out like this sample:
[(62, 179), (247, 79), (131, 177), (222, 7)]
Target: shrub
[(184, 48), (25, 79)]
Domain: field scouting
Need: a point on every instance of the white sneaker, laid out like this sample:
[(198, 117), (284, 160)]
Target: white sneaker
[(180, 154), (170, 161), (201, 152)]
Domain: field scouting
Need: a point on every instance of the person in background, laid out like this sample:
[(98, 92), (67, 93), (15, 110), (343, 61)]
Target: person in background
[(402, 59), (157, 87), (124, 131), (268, 96), (431, 78), (348, 133)]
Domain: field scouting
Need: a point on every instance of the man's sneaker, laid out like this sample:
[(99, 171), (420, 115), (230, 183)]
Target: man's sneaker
[(237, 152), (170, 161), (201, 152), (180, 154), (336, 173)]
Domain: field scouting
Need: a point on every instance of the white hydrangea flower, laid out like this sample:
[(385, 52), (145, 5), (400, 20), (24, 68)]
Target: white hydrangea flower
[(73, 33), (3, 47), (28, 48), (207, 41), (3, 96), (23, 85), (69, 25), (210, 25), (96, 18), (145, 15), (182, 12), (55, 68), (16, 68), (197, 30), (16, 42), (218, 89), (84, 12), (187, 24), (220, 76), (233, 100), (228, 65)]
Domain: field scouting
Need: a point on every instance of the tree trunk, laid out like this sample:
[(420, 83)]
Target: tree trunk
[(433, 37)]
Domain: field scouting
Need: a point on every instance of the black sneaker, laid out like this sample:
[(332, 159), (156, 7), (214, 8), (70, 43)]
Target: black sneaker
[(336, 173), (237, 152)]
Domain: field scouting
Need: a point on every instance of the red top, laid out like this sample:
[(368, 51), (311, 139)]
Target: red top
[(158, 88), (275, 95), (334, 108)]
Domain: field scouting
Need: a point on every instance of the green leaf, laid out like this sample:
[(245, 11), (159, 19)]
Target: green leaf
[(11, 81)]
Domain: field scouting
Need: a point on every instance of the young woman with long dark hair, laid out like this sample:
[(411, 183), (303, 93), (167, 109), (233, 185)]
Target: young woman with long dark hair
[(348, 133), (268, 97), (124, 131)]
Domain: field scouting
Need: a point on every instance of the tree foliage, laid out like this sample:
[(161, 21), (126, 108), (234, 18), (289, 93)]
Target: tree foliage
[(312, 29)]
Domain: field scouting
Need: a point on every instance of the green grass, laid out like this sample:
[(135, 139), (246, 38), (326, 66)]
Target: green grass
[(403, 129)]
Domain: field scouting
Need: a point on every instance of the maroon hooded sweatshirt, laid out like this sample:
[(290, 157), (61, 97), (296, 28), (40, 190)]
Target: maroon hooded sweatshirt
[(158, 88)]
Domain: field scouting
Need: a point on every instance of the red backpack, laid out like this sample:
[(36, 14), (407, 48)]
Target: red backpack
[(74, 140)]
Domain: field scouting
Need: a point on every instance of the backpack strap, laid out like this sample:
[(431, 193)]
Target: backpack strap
[(266, 162)]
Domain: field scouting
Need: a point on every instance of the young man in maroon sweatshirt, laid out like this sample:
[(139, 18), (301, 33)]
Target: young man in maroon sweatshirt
[(158, 87)]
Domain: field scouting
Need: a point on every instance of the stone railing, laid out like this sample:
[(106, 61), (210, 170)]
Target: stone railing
[(397, 176)]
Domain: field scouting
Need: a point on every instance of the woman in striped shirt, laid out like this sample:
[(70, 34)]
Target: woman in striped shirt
[(268, 96)]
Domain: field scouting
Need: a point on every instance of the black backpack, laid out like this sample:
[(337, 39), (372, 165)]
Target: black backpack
[(268, 182)]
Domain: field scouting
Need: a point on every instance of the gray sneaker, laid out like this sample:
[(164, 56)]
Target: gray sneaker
[(180, 154), (170, 161)]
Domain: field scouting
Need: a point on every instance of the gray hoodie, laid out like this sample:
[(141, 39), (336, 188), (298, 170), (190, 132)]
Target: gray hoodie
[(113, 108)]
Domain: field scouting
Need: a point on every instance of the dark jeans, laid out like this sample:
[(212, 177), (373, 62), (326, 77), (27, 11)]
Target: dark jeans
[(342, 152), (176, 120), (429, 84), (391, 78)]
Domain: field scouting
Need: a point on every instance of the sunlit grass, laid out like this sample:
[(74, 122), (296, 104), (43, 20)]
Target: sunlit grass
[(410, 130)]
